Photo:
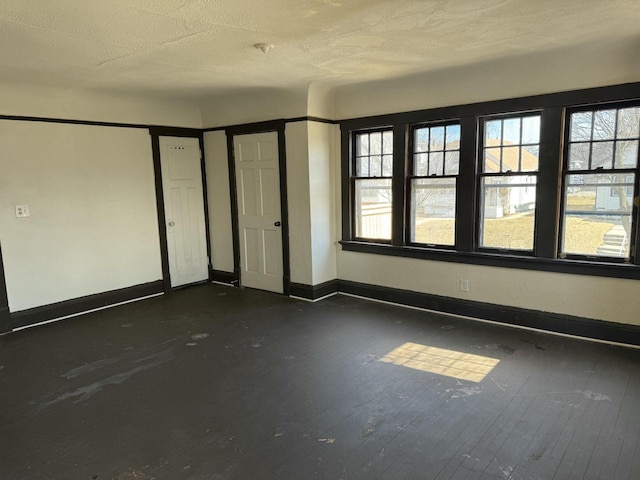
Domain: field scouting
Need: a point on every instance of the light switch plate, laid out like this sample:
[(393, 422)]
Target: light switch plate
[(22, 211)]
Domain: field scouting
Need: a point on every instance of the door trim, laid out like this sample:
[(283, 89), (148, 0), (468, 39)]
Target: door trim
[(5, 316), (260, 127), (156, 133)]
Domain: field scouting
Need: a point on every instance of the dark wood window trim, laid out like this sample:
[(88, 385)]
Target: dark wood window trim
[(635, 171), (548, 187), (353, 178), (411, 175), (480, 145), (505, 261)]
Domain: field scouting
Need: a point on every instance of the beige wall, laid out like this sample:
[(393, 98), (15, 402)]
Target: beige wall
[(220, 229), (600, 298), (93, 224), (73, 104), (605, 63), (321, 160), (310, 157), (297, 155), (82, 227), (253, 105), (300, 249)]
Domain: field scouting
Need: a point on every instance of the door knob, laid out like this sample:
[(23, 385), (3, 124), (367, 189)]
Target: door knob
[(277, 224), (171, 224)]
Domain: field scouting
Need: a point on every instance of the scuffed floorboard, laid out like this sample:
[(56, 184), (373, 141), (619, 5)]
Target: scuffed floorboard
[(218, 383)]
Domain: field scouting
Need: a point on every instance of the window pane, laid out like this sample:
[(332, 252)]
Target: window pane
[(362, 145), (626, 154), (491, 160), (420, 164), (433, 207), (531, 129), (436, 163), (375, 166), (452, 163), (599, 193), (362, 167), (581, 126), (511, 159), (511, 131), (421, 140), (529, 158), (387, 165), (579, 156), (602, 155), (437, 138), (604, 125), (508, 212), (629, 122), (493, 132), (387, 140), (373, 209), (453, 137), (375, 144), (597, 215)]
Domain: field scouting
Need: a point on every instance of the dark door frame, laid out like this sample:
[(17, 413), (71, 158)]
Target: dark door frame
[(156, 133), (260, 127), (5, 317)]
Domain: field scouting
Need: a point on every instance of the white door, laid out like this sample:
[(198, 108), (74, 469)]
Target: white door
[(184, 210), (258, 187)]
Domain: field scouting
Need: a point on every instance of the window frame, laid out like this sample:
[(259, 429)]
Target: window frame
[(481, 174), (409, 177), (354, 178), (549, 193), (566, 172)]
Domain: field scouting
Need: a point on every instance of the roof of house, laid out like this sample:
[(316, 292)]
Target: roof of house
[(514, 158)]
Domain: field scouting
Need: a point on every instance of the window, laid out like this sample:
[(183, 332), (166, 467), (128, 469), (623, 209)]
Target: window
[(508, 177), (549, 182), (601, 161), (372, 172), (433, 171)]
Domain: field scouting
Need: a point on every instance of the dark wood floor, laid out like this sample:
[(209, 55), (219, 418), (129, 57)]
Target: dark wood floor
[(218, 383)]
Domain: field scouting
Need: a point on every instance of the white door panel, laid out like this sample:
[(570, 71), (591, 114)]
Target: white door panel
[(259, 209), (184, 210)]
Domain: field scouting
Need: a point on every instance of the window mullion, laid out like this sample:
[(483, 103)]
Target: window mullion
[(549, 183), (347, 189), (466, 186), (398, 184)]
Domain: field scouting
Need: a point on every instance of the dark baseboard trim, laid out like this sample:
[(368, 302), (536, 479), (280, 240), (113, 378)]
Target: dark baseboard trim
[(5, 320), (24, 318), (552, 322), (224, 277), (313, 292)]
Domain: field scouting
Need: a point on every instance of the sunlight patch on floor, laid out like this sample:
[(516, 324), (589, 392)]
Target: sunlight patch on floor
[(464, 366)]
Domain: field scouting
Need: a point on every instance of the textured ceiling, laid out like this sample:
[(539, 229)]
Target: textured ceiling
[(194, 48)]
